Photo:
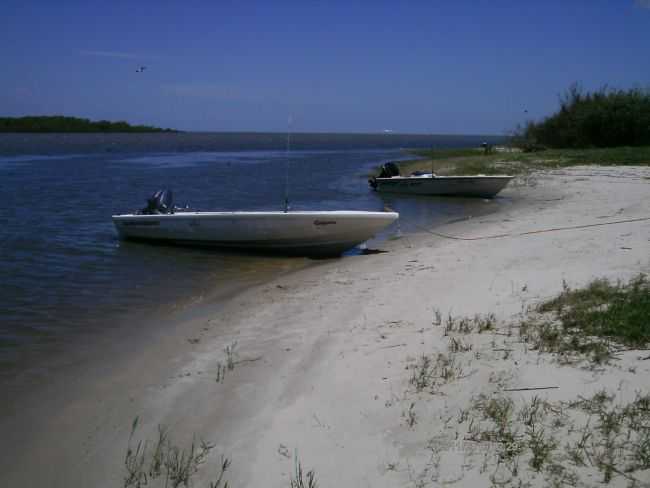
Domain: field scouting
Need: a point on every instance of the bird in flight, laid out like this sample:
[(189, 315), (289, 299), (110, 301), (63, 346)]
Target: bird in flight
[(141, 69)]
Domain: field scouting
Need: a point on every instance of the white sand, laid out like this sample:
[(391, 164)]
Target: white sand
[(321, 355)]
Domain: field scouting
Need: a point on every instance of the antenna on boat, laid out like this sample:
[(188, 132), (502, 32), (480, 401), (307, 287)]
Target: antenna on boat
[(286, 175)]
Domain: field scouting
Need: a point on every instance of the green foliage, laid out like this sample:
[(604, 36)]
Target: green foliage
[(616, 311), (604, 118), (438, 154), (593, 322), (59, 123)]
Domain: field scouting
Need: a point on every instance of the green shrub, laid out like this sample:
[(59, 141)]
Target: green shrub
[(604, 118)]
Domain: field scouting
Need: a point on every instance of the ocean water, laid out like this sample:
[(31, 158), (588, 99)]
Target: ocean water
[(64, 273)]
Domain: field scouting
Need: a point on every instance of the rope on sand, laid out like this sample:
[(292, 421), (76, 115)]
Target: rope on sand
[(531, 232)]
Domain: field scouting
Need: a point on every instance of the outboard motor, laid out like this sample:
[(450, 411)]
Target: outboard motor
[(160, 202), (388, 170)]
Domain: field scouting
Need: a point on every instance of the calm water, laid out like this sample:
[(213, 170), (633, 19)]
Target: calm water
[(65, 274)]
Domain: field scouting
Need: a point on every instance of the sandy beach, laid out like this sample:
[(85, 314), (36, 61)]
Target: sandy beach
[(316, 365)]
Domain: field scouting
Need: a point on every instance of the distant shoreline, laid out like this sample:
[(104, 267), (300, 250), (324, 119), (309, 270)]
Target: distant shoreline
[(93, 142), (61, 124)]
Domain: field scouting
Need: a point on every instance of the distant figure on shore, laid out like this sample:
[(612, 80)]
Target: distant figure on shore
[(487, 148)]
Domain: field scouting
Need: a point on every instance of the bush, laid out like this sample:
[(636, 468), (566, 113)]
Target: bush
[(605, 118)]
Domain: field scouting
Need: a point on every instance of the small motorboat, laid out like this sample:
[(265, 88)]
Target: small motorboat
[(285, 232), (422, 183)]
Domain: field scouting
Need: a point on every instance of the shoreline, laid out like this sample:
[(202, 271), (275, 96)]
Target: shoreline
[(320, 355), (64, 355), (204, 275)]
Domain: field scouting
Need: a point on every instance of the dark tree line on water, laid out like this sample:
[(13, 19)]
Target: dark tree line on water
[(59, 123)]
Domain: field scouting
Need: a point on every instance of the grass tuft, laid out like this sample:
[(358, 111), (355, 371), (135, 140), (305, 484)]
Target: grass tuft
[(593, 322), (167, 462), (618, 311), (466, 325), (428, 373), (303, 480), (230, 355), (541, 446), (616, 438)]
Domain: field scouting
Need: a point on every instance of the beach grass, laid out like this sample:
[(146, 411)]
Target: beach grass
[(594, 321), (300, 479), (593, 433), (615, 310), (506, 160), (164, 461), (615, 438), (602, 436)]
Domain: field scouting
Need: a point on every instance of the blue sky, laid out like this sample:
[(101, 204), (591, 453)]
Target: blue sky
[(450, 67)]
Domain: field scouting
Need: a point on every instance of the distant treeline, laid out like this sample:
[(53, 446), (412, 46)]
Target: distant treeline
[(59, 123), (604, 118)]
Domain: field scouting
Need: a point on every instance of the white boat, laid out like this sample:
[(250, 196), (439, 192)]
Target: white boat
[(304, 233), (483, 186)]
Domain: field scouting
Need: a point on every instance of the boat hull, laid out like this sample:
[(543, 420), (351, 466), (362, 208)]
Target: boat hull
[(321, 233), (465, 186)]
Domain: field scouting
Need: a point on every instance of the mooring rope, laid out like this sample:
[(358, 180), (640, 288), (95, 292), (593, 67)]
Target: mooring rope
[(531, 232)]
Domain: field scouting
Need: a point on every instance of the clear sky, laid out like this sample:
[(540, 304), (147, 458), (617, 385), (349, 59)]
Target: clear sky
[(450, 67)]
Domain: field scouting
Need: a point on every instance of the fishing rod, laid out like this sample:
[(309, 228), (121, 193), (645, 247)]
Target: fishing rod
[(286, 175)]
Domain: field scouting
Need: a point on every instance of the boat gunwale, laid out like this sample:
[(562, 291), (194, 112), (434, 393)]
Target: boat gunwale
[(443, 177), (258, 214)]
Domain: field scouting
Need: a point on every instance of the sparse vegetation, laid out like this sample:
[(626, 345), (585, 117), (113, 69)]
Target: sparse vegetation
[(303, 480), (165, 464), (563, 443), (230, 355), (502, 431), (616, 438), (619, 311), (468, 325), (422, 374), (541, 446), (457, 344), (221, 372), (410, 415), (593, 322), (430, 374), (516, 162)]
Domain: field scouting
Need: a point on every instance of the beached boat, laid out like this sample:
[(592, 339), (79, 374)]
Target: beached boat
[(289, 232), (482, 186)]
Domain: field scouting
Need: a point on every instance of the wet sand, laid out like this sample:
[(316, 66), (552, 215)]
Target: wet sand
[(321, 354)]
